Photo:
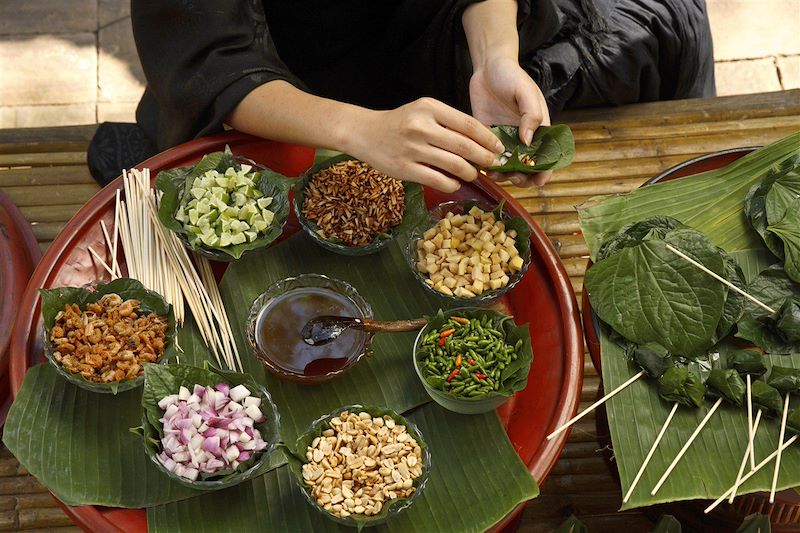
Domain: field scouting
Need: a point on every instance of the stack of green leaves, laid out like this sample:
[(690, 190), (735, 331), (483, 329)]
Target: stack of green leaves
[(680, 316), (82, 449)]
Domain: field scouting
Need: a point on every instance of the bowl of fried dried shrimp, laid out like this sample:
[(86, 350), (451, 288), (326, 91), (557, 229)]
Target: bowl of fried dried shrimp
[(361, 465), (100, 338), (350, 208), (468, 252)]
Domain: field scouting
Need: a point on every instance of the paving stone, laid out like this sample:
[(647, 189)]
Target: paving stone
[(109, 11), (789, 68), (746, 76), (750, 29), (116, 112), (48, 69), (47, 16), (47, 115), (120, 73)]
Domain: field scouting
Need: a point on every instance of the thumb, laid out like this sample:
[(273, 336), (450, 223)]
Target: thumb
[(534, 112)]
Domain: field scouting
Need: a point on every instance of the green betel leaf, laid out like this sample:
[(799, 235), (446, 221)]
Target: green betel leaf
[(757, 325), (551, 148), (755, 523), (727, 384), (175, 185), (748, 361), (788, 321), (793, 421), (647, 293), (785, 379), (54, 300), (633, 234), (784, 193), (163, 380), (788, 231), (767, 396), (668, 524), (734, 302), (677, 384), (755, 203), (571, 525), (654, 360)]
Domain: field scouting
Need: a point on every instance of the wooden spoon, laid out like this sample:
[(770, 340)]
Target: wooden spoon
[(324, 329)]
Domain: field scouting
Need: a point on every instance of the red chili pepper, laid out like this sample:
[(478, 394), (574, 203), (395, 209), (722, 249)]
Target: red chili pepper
[(446, 333), (471, 361), (480, 376), (452, 375), (441, 343), (458, 360)]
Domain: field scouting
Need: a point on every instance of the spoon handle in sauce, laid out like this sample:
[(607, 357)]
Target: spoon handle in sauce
[(395, 326)]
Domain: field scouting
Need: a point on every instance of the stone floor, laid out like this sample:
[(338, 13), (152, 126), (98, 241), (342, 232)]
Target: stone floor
[(74, 61)]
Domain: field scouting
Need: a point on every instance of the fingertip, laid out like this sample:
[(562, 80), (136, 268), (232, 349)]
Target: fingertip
[(542, 177)]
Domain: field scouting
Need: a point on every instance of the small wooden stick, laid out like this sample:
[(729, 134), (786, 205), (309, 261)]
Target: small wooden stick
[(594, 406), (103, 263), (116, 232), (114, 267), (748, 452), (686, 446), (650, 453), (750, 428), (778, 457), (720, 278), (750, 474)]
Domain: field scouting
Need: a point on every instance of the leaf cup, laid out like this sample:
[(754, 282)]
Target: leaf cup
[(390, 508), (164, 380), (414, 212), (173, 184), (54, 300)]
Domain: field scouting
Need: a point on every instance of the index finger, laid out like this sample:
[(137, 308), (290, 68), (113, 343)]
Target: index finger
[(468, 126)]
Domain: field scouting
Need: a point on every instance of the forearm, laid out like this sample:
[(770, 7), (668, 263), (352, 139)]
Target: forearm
[(279, 111), (491, 30)]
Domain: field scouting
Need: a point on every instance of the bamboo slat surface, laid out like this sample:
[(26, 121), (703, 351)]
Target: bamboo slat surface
[(44, 171)]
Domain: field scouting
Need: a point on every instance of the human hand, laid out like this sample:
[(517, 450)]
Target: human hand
[(501, 92), (425, 141)]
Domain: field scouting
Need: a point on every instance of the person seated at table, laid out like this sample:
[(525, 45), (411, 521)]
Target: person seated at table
[(408, 87)]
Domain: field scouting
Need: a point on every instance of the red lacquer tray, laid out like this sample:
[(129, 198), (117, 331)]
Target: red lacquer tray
[(544, 298), (19, 253), (690, 513)]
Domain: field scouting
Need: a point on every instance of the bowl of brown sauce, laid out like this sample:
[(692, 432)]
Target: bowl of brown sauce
[(277, 317)]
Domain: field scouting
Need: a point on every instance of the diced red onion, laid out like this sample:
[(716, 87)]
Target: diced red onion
[(239, 393)]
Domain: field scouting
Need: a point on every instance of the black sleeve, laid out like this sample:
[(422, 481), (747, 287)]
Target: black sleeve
[(200, 58)]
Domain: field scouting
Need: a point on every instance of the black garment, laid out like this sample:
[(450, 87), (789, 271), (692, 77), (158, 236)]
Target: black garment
[(201, 57)]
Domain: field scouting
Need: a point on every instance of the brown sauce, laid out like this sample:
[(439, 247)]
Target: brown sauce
[(280, 323)]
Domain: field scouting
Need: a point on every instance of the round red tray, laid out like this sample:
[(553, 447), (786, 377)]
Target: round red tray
[(19, 253), (544, 298), (690, 513)]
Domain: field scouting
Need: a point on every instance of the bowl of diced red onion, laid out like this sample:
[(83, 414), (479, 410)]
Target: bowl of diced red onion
[(213, 428)]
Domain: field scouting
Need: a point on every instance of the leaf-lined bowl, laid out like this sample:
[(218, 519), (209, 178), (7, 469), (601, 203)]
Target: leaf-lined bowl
[(173, 184), (516, 380), (414, 212), (297, 458), (523, 244), (551, 148), (54, 300), (163, 380)]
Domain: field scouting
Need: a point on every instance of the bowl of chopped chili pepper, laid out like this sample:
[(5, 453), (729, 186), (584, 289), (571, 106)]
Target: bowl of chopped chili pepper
[(472, 360)]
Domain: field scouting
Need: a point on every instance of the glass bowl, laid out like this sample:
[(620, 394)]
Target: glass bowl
[(515, 382), (168, 379), (360, 340), (414, 211), (458, 207), (172, 183), (392, 507), (54, 300)]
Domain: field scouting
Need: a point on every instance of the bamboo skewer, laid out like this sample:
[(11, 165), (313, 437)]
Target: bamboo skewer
[(594, 406), (720, 278), (751, 433), (750, 474), (748, 452), (780, 450), (102, 263), (114, 266), (686, 446), (650, 453)]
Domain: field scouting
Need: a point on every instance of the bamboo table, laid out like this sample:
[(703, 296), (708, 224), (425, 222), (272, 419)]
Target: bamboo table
[(43, 171)]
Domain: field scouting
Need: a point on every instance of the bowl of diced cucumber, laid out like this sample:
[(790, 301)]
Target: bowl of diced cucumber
[(224, 206)]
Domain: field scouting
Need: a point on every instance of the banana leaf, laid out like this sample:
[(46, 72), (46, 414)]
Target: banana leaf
[(755, 523), (172, 183), (476, 478), (551, 148), (668, 524), (571, 525), (710, 202)]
